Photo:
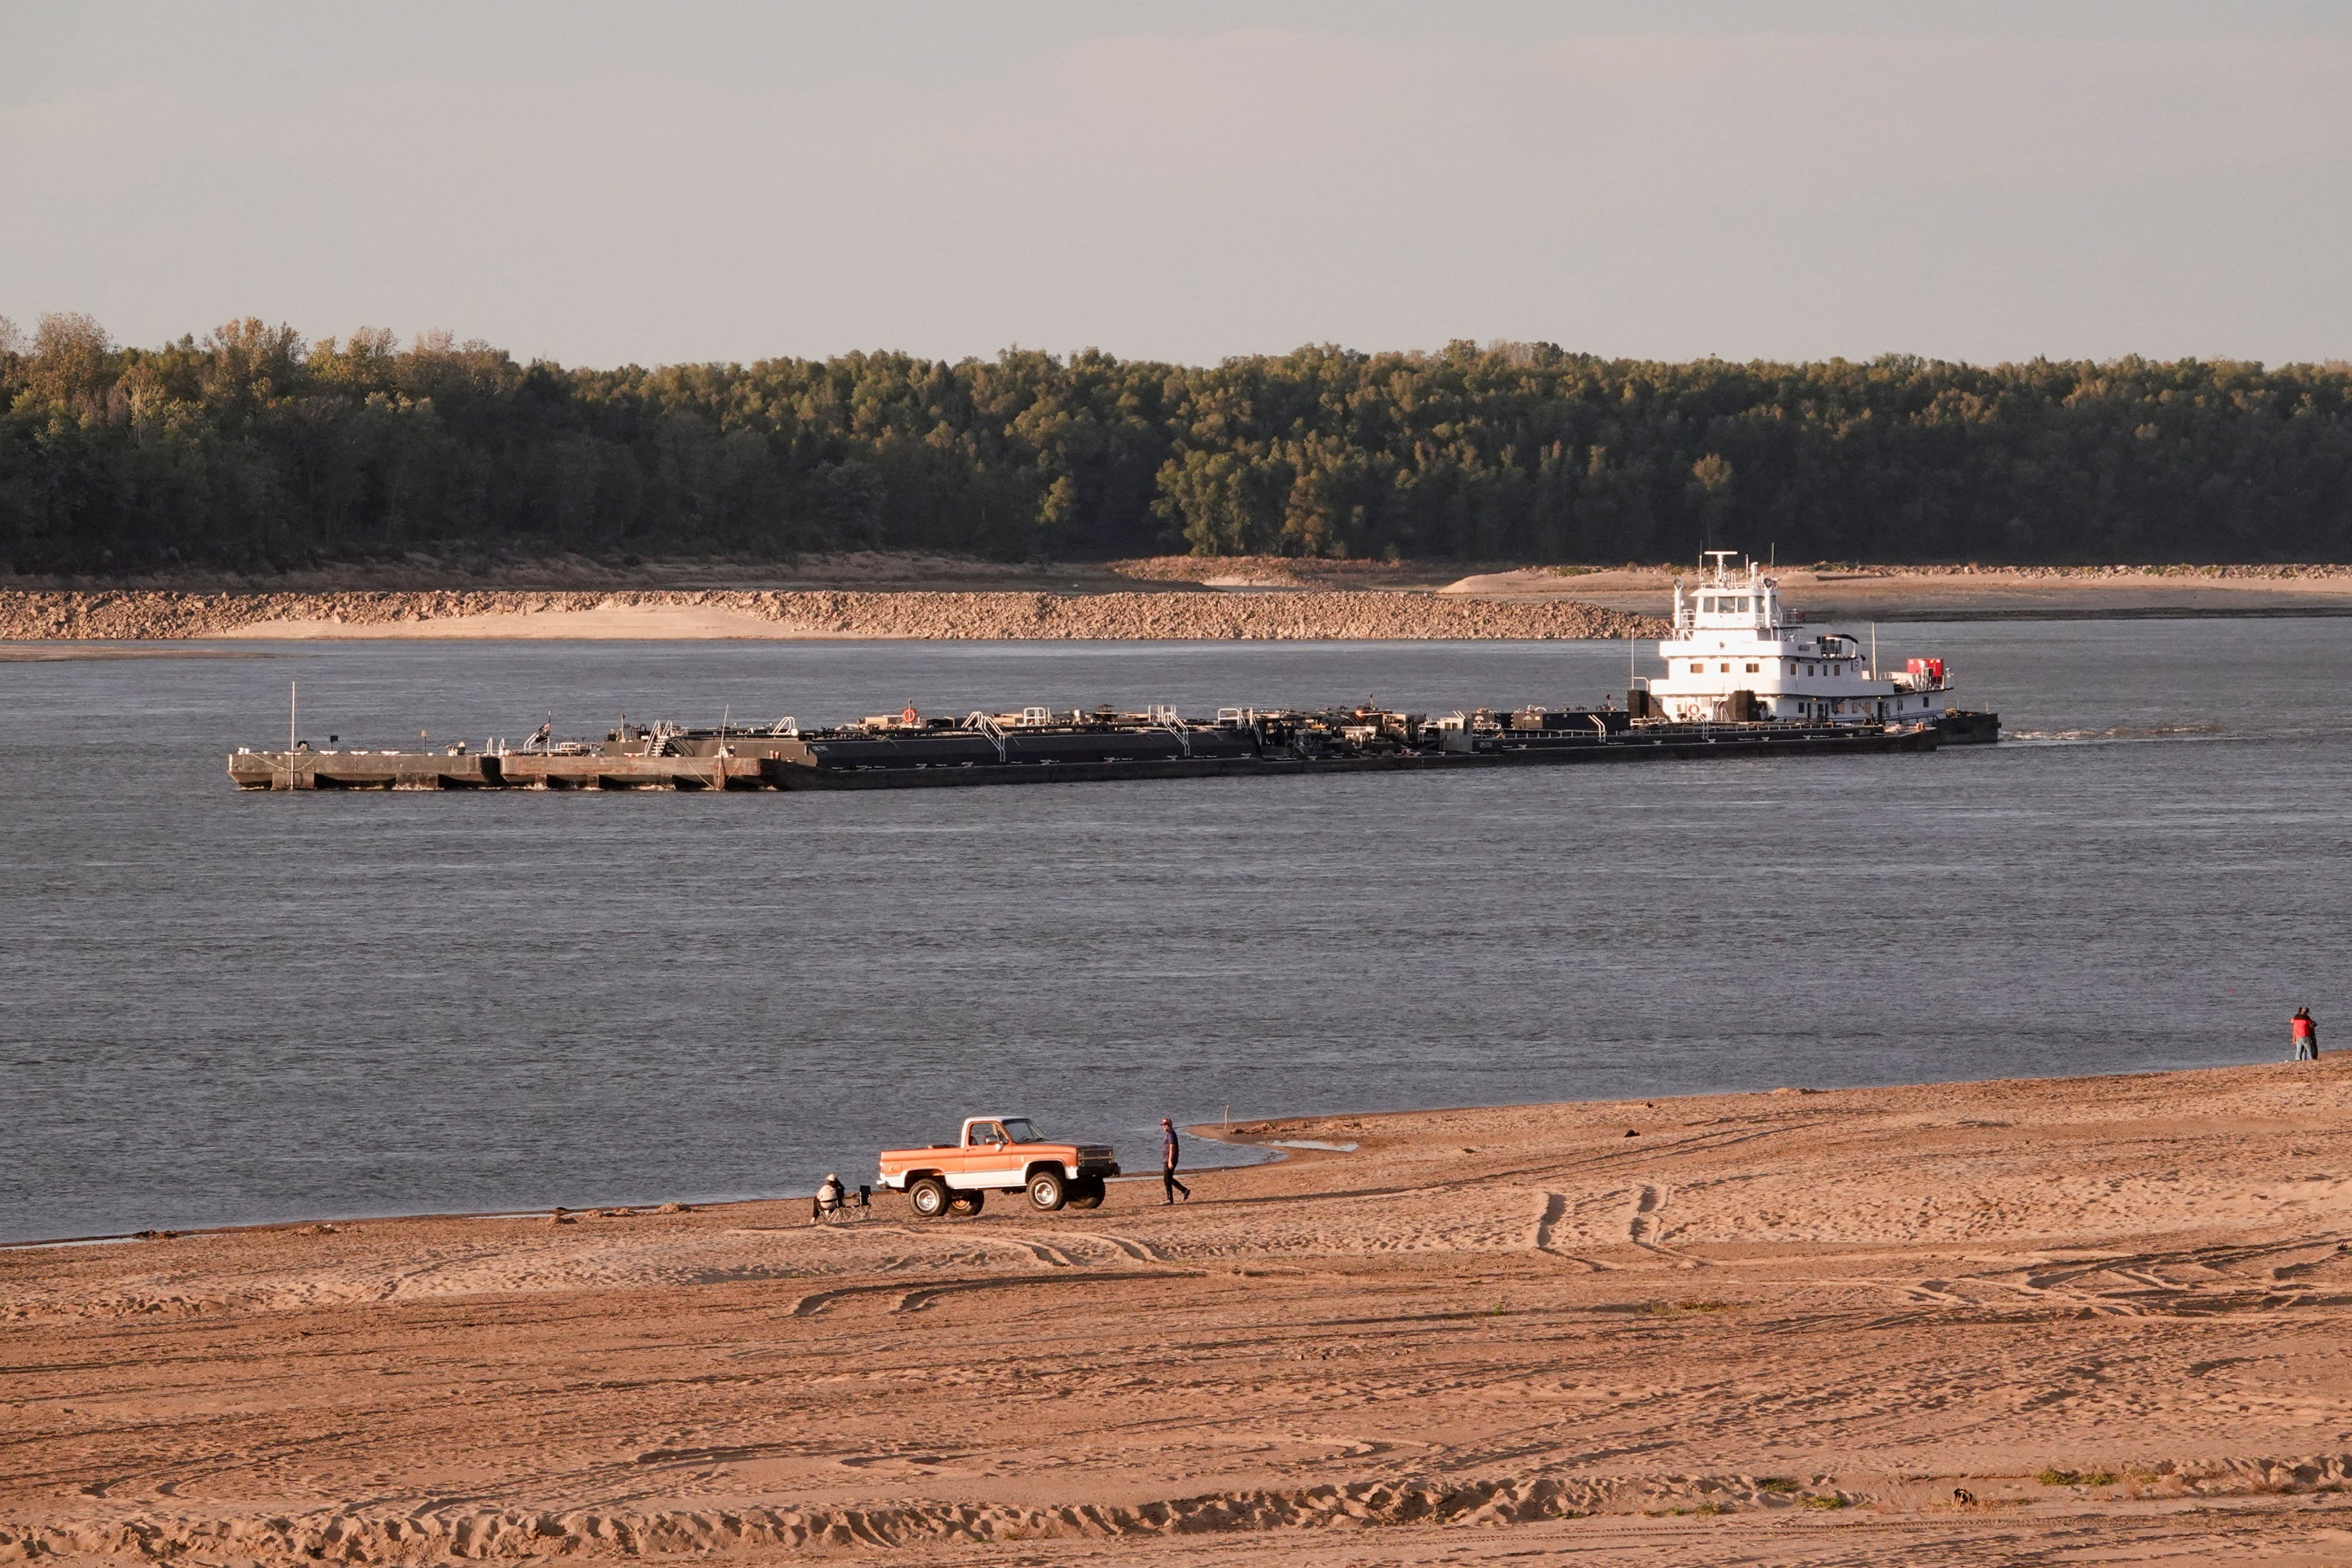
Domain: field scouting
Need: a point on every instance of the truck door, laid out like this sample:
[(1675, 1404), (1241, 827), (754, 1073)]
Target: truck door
[(984, 1159)]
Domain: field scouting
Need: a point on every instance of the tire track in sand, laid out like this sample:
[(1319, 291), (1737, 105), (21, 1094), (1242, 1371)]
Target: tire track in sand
[(1555, 1209), (1643, 1227)]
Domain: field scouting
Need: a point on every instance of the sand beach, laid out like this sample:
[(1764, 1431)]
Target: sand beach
[(1176, 598), (2030, 1321), (1838, 593), (797, 615)]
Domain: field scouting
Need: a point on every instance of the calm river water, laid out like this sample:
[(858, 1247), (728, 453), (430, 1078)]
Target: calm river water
[(218, 1007)]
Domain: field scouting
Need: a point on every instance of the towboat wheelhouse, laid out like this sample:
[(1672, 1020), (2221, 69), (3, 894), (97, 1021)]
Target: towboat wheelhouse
[(1737, 656)]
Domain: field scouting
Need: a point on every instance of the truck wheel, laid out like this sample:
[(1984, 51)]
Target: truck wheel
[(1045, 1189), (1086, 1193), (967, 1203), (928, 1197)]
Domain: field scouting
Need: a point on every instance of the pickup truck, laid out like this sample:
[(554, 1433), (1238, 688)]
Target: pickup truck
[(998, 1155)]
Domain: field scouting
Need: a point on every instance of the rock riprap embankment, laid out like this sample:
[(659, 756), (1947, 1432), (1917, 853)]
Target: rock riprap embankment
[(142, 615)]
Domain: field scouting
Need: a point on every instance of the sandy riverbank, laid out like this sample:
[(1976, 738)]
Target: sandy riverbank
[(1175, 597), (787, 615), (1782, 1327), (1958, 593)]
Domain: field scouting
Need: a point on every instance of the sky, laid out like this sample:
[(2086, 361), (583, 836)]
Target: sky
[(602, 184)]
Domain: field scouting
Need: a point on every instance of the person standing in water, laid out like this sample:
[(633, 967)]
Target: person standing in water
[(1169, 1151), (2307, 1036)]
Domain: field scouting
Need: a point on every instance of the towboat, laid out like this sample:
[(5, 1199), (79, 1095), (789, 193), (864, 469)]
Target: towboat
[(1740, 656)]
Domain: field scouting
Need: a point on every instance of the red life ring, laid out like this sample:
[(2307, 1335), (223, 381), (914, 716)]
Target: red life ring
[(910, 715)]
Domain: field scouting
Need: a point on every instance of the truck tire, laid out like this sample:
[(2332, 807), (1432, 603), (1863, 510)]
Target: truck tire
[(928, 1197), (1046, 1190), (1086, 1193), (967, 1203)]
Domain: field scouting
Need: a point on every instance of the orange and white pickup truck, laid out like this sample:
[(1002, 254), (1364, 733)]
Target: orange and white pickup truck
[(998, 1155)]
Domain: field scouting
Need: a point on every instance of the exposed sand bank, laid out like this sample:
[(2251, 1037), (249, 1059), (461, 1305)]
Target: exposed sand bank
[(1958, 593), (1175, 597), (728, 613), (598, 621), (1778, 1327)]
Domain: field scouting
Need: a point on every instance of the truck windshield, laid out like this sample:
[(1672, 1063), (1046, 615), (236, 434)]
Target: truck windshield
[(1018, 1128)]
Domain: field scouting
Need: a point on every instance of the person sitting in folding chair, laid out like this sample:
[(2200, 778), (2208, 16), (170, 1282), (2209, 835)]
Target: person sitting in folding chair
[(827, 1202)]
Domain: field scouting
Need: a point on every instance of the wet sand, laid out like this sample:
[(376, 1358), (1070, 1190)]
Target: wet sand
[(55, 652), (1796, 1328)]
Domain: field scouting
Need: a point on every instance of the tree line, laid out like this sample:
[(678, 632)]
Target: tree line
[(252, 448)]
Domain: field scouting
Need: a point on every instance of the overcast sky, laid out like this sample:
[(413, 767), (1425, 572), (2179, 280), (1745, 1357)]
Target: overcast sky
[(599, 182)]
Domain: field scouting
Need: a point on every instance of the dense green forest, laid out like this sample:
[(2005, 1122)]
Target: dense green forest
[(252, 448)]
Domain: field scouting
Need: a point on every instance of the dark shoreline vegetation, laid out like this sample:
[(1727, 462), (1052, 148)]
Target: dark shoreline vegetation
[(253, 449)]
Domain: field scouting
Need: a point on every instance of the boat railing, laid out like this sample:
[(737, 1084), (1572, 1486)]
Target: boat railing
[(987, 726)]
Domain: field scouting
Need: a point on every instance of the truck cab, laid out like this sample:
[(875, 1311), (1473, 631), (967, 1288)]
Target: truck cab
[(997, 1132)]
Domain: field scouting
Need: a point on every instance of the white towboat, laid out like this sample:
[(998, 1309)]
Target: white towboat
[(1739, 657)]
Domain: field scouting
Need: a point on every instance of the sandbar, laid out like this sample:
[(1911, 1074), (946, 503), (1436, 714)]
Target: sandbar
[(1927, 594), (2030, 1321), (615, 623)]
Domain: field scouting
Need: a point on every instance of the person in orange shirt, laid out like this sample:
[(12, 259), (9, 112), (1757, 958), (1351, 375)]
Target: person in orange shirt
[(2307, 1036)]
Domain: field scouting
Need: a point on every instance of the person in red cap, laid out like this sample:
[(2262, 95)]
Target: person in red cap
[(2307, 1036)]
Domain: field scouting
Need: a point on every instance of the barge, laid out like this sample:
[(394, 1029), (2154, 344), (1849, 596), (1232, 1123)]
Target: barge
[(1071, 748), (1743, 679)]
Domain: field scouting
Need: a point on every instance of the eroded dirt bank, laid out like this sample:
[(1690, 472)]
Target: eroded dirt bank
[(720, 612), (2017, 1321)]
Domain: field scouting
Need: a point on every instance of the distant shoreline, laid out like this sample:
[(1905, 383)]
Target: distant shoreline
[(1167, 598), (722, 614)]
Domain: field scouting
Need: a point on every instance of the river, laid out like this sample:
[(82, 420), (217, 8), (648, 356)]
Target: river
[(224, 1007)]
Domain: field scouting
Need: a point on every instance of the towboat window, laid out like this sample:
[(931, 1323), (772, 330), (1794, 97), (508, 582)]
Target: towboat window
[(1751, 669), (1699, 669), (1019, 1130)]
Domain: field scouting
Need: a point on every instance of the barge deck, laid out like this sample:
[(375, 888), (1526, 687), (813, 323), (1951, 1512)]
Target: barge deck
[(907, 752)]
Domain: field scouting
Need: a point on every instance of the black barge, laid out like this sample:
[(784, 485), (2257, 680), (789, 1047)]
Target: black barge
[(1037, 746)]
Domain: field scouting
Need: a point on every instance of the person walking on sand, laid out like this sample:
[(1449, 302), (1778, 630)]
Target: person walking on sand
[(1169, 1151), (2307, 1036)]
